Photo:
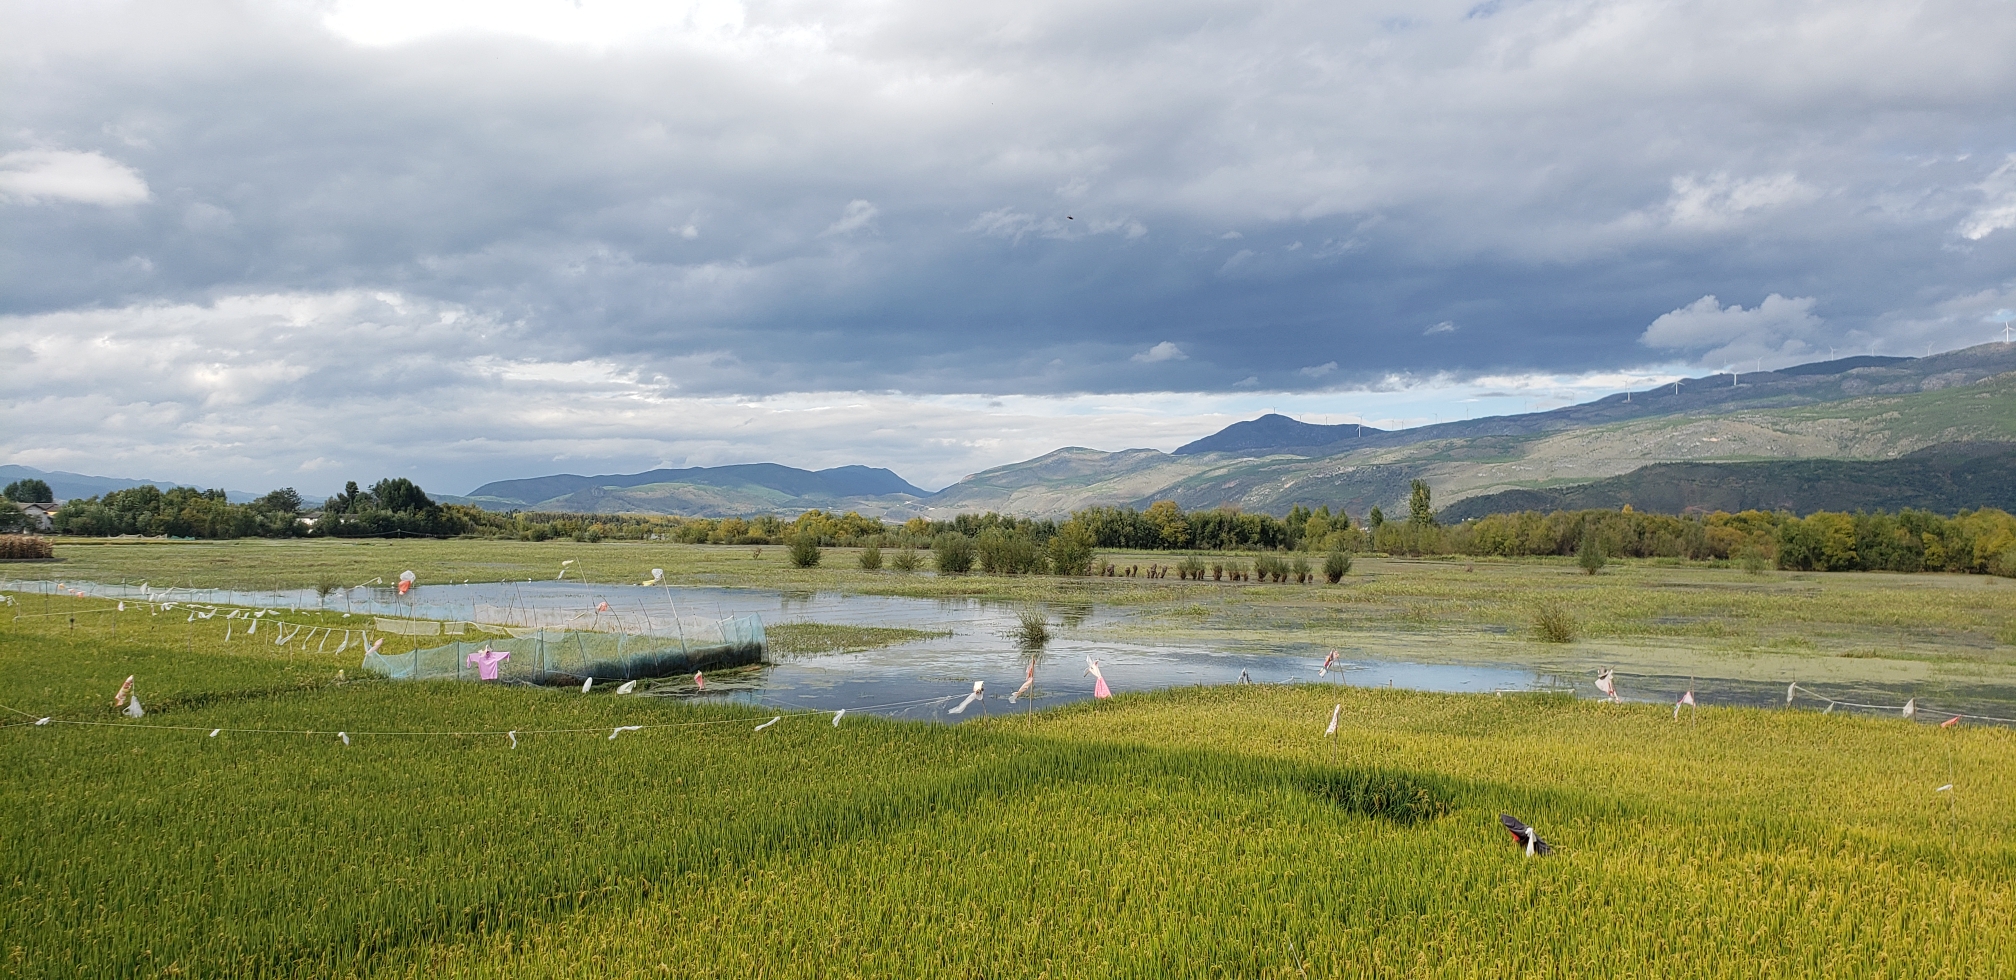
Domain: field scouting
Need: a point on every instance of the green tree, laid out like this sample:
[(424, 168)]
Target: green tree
[(285, 500), (1377, 519), (953, 553), (1419, 511), (30, 491), (804, 550), (1590, 555)]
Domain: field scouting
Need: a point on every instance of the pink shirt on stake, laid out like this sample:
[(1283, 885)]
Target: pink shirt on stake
[(486, 662)]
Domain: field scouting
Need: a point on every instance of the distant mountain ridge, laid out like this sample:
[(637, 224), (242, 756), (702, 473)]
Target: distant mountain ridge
[(77, 486), (1944, 478), (1861, 408), (1804, 384), (701, 491)]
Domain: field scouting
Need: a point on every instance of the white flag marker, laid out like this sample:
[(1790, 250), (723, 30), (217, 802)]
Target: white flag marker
[(627, 687), (772, 721), (42, 721), (979, 692), (133, 709), (624, 728), (1944, 788), (585, 685), (345, 736), (1910, 707), (1334, 712), (214, 731), (513, 736), (837, 715)]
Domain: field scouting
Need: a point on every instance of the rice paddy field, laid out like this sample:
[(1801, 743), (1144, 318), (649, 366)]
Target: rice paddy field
[(1197, 832)]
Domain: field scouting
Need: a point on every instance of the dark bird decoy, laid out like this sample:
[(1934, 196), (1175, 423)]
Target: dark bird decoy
[(1525, 835)]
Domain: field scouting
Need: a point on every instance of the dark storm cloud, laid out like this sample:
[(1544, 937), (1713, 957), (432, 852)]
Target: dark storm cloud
[(1030, 197)]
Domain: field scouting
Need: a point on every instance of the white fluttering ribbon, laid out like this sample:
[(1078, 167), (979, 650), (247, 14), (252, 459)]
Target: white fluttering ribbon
[(772, 721), (979, 692), (1334, 713), (620, 729)]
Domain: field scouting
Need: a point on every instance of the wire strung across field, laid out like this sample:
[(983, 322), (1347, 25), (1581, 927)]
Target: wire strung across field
[(789, 712), (1832, 703)]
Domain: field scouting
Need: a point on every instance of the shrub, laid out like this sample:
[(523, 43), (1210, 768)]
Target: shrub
[(1190, 567), (1033, 631), (871, 557), (1590, 556), (1553, 624), (1753, 560), (1300, 569), (804, 551), (905, 560), (952, 552), (1071, 552), (18, 546), (1336, 565)]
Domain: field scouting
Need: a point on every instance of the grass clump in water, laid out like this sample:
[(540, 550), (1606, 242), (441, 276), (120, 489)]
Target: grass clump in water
[(1552, 623)]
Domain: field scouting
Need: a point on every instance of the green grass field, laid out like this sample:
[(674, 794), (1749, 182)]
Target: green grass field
[(1206, 832)]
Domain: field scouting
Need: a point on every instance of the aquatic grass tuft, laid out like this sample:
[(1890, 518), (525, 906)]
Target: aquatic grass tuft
[(1552, 623)]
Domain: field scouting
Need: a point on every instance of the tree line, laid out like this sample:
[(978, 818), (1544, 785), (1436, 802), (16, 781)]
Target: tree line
[(1981, 541)]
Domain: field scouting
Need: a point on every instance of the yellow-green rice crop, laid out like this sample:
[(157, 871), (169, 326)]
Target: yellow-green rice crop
[(1206, 832)]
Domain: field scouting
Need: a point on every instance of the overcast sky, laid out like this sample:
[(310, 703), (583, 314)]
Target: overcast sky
[(293, 243)]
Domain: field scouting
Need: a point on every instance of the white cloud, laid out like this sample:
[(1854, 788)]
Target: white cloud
[(1446, 326), (255, 392), (857, 215), (1318, 370), (1164, 351), (36, 176), (1778, 328), (1998, 210)]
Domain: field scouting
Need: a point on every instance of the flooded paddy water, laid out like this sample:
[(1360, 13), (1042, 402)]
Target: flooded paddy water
[(1139, 648)]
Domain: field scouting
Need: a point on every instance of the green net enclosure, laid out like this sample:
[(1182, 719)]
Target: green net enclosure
[(553, 656)]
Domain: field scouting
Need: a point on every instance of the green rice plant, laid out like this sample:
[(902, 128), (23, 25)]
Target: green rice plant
[(1552, 623), (871, 557)]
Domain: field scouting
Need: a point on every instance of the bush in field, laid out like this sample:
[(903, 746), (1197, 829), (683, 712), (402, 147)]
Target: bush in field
[(1300, 569), (1190, 567), (1071, 552), (1270, 568), (804, 551), (1336, 565), (18, 546), (952, 552), (1032, 631), (1005, 552), (871, 557), (1553, 624), (1590, 556), (1753, 560), (905, 560)]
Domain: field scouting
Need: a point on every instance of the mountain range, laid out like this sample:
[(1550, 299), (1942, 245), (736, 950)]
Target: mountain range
[(1879, 432), (708, 491), (70, 486)]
